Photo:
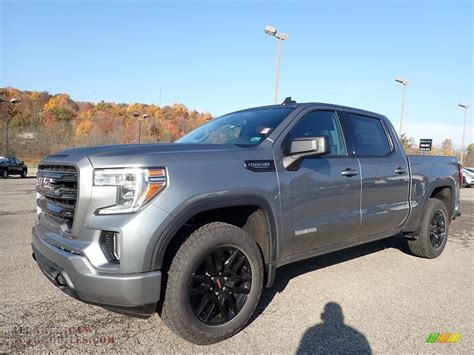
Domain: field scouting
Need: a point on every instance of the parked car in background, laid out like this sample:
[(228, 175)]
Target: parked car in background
[(468, 177), (12, 166)]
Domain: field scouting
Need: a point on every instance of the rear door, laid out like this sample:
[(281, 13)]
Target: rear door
[(320, 198), (18, 166), (384, 171)]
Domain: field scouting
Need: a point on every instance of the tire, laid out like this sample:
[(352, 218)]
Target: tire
[(23, 173), (183, 311), (430, 244), (5, 173)]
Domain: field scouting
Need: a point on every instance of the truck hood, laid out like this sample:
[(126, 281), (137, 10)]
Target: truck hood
[(134, 153)]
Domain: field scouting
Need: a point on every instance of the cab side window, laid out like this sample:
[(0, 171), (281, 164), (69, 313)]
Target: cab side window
[(321, 123), (369, 136)]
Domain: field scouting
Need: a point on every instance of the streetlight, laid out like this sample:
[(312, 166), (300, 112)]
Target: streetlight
[(136, 115), (465, 107), (405, 84), (270, 30), (144, 117), (7, 122)]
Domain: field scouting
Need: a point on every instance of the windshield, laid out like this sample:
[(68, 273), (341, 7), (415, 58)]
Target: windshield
[(246, 128)]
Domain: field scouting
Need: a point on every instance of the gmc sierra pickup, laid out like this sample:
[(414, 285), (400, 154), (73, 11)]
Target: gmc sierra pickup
[(196, 228)]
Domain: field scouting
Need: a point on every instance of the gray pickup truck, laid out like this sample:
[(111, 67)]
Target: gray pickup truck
[(196, 228)]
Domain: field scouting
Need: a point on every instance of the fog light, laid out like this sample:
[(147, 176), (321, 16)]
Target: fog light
[(110, 244)]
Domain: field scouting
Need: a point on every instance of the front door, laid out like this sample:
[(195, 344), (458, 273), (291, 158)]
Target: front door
[(320, 199)]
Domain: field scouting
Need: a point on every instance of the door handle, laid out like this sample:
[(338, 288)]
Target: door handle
[(349, 172), (400, 171)]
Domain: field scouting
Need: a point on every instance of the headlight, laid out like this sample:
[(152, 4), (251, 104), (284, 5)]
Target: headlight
[(135, 187)]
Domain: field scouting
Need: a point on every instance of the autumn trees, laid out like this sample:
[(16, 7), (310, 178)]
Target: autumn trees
[(43, 123), (469, 156), (446, 148), (409, 144)]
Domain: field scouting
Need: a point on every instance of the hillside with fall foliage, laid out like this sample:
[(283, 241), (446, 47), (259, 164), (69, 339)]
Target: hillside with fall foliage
[(42, 123)]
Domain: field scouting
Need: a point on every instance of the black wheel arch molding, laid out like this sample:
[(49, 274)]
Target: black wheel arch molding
[(413, 224), (162, 238)]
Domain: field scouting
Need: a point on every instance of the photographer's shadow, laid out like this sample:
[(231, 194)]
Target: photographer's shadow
[(332, 336)]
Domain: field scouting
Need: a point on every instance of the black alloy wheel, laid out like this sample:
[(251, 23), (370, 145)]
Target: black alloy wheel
[(220, 285), (431, 238), (438, 229), (213, 284)]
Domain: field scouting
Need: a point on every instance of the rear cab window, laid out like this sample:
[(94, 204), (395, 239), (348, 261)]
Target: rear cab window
[(369, 137)]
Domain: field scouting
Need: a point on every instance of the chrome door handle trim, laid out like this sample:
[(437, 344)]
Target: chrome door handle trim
[(349, 172)]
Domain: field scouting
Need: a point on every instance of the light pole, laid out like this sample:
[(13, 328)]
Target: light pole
[(270, 30), (136, 115), (405, 84), (144, 117), (465, 107), (7, 121)]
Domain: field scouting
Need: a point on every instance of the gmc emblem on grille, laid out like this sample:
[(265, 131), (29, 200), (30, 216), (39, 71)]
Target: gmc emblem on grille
[(44, 183)]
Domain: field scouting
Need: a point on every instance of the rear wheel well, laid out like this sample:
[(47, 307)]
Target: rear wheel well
[(444, 194)]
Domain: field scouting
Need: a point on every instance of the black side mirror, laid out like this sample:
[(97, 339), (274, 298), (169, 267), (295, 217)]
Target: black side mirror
[(306, 147), (22, 162)]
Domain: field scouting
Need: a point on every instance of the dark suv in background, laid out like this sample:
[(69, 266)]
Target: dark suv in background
[(12, 166)]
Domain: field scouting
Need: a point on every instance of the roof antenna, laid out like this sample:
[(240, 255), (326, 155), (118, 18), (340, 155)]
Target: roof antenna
[(288, 101)]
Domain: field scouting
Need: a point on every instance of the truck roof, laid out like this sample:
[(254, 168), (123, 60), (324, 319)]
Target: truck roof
[(288, 102)]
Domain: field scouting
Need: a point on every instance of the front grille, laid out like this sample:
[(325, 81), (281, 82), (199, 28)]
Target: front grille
[(56, 186)]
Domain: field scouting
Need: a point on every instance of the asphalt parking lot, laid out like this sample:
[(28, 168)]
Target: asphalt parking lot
[(372, 298)]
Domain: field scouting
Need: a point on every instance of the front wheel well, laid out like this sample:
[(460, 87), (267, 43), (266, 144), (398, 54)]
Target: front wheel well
[(250, 218)]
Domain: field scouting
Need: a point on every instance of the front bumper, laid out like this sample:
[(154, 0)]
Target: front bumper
[(135, 293)]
